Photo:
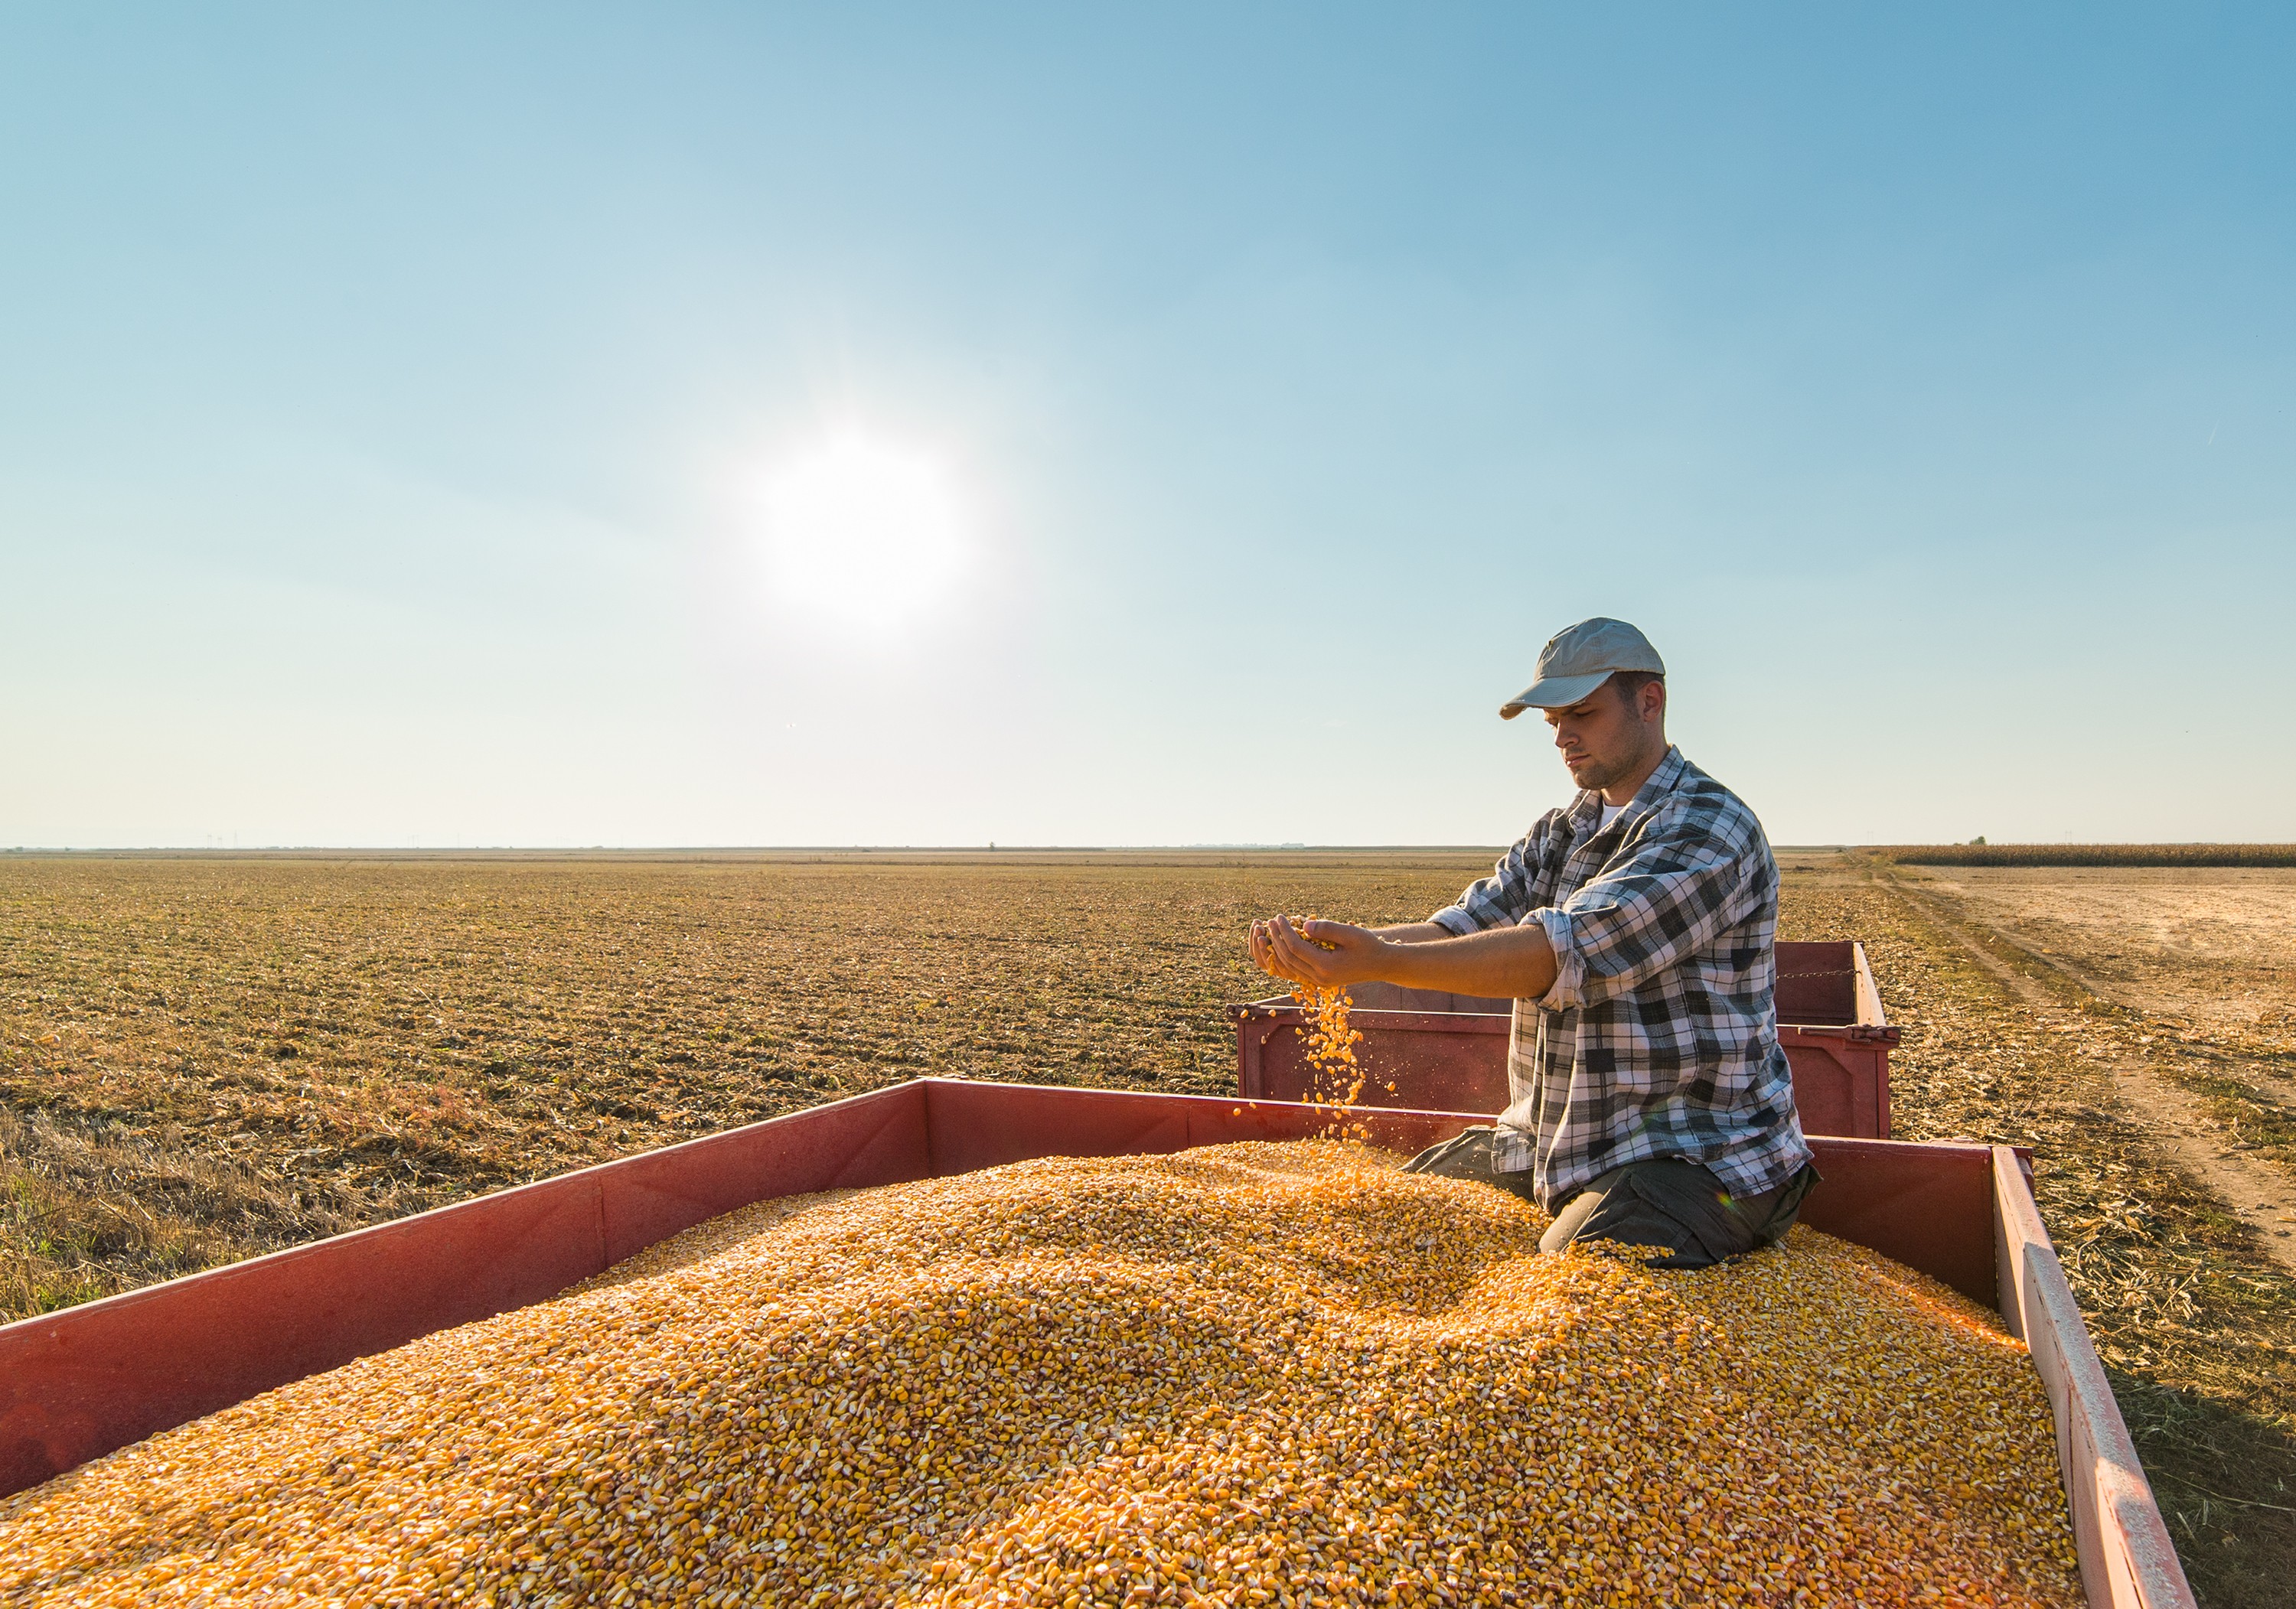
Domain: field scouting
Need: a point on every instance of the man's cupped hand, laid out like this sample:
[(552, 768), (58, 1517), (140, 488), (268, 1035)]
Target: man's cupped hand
[(1316, 951)]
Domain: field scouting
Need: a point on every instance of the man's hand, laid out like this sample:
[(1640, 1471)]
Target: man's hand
[(1354, 954), (1501, 963)]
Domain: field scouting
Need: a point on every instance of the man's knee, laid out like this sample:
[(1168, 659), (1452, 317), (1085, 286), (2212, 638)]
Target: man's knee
[(1675, 1210), (1468, 1155)]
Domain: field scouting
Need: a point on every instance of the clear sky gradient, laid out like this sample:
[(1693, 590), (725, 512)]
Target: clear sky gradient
[(391, 399)]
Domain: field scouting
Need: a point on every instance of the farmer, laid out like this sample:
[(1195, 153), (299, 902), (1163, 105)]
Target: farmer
[(1649, 1100)]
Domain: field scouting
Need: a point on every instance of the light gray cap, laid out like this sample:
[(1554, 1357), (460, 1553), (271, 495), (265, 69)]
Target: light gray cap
[(1576, 661)]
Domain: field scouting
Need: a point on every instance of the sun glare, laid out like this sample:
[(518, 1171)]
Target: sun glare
[(863, 531)]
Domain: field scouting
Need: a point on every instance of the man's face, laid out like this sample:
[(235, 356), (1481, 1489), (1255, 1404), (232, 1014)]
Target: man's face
[(1605, 738)]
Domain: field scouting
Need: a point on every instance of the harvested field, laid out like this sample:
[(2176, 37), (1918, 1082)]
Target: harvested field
[(2213, 948), (201, 1058), (2188, 977)]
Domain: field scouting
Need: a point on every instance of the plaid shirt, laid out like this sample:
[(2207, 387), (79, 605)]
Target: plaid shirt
[(1659, 1037)]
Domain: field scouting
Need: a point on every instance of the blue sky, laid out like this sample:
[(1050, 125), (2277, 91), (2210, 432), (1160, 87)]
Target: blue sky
[(384, 399)]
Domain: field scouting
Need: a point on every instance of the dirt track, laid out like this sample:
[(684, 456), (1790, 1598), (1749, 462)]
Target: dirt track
[(2260, 1191), (2215, 947)]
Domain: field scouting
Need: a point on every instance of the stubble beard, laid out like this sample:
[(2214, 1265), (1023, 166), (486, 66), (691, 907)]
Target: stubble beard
[(1596, 775)]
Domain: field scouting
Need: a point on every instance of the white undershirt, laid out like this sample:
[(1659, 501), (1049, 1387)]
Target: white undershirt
[(1611, 813)]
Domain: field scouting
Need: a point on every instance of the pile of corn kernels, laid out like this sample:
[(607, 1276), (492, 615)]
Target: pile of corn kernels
[(1249, 1375)]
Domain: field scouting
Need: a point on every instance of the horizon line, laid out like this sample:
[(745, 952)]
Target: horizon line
[(993, 847)]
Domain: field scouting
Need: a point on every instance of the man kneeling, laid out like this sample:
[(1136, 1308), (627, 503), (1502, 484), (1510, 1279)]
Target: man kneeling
[(1649, 1100)]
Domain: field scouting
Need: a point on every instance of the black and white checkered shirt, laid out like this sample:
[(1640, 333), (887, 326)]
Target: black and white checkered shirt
[(1659, 1037)]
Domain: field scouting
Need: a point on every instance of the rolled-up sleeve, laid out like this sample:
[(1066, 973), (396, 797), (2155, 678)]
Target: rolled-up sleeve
[(1500, 900), (1667, 899)]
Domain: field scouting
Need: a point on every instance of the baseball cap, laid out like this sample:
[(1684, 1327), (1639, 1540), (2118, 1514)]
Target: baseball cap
[(1579, 659)]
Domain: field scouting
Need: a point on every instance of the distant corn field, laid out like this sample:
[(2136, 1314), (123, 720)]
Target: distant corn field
[(2088, 855)]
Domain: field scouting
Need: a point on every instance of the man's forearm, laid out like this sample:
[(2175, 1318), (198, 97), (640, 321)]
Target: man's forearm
[(1503, 963)]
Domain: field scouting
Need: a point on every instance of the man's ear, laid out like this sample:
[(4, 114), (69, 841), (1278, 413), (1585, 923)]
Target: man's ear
[(1653, 701)]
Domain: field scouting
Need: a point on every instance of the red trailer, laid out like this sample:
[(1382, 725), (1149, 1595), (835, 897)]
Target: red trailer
[(1448, 1052), (78, 1384)]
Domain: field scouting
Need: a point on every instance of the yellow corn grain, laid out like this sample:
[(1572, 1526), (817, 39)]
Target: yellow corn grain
[(1335, 1078), (1246, 1375)]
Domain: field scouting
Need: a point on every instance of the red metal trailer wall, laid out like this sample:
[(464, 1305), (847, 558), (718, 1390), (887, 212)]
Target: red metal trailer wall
[(77, 1383), (1448, 1052)]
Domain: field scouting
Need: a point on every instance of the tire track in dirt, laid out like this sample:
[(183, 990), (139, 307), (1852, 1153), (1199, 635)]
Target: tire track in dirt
[(2252, 1070), (2261, 1195)]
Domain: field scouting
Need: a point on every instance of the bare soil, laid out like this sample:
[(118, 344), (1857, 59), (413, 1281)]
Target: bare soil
[(2180, 1121), (2214, 947), (2190, 977)]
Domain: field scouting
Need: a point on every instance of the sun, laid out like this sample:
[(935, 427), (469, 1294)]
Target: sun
[(862, 530)]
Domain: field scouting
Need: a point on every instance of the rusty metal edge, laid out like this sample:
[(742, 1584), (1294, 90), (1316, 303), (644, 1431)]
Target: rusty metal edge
[(1281, 1010), (2128, 1560), (1869, 995)]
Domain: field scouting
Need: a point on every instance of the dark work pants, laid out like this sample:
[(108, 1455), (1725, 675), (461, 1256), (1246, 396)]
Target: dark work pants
[(1672, 1205)]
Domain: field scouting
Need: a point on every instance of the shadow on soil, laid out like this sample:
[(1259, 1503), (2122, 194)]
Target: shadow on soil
[(2227, 1485)]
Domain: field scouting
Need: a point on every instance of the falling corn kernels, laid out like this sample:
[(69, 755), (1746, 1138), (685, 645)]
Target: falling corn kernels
[(1335, 1079), (1244, 1375)]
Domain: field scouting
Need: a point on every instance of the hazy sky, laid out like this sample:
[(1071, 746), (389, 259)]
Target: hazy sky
[(859, 424)]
